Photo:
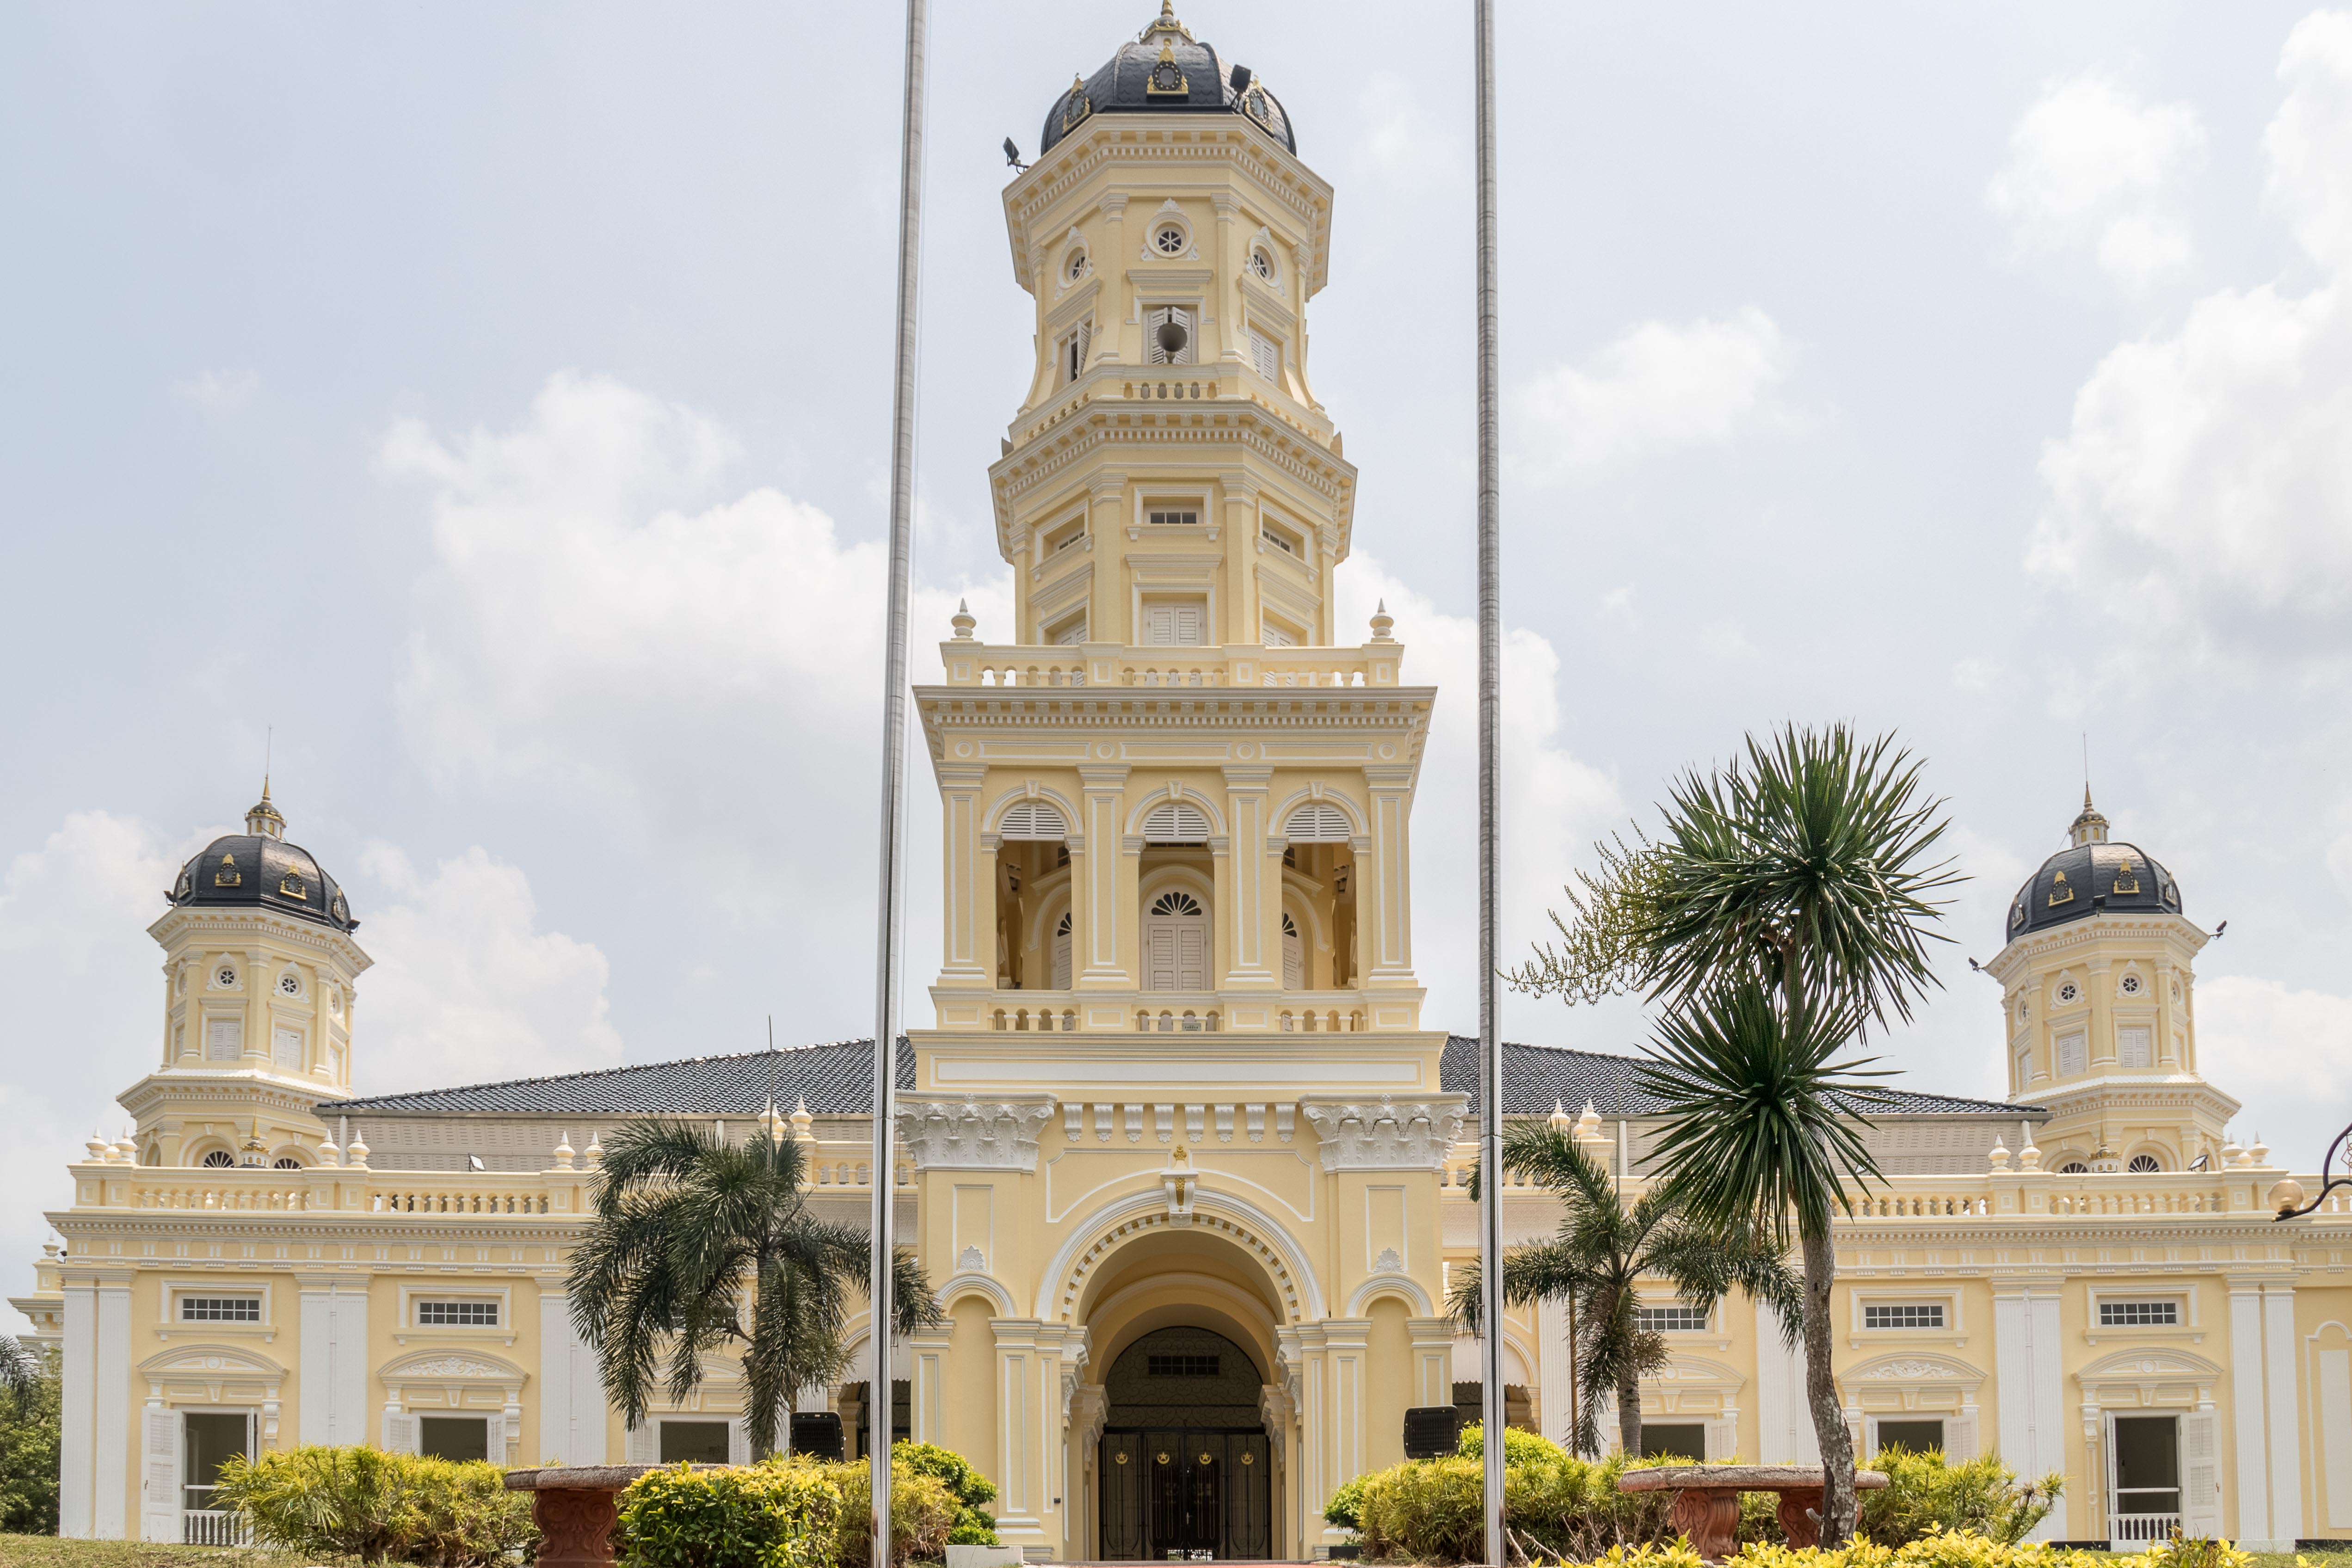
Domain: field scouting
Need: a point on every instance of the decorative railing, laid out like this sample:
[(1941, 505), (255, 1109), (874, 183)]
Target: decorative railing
[(1152, 667), (213, 1527), (2141, 1529)]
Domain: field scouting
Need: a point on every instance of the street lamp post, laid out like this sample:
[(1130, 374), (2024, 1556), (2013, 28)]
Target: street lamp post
[(2329, 1182)]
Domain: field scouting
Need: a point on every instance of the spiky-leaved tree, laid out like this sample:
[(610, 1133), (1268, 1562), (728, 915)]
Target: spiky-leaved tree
[(1783, 910), (701, 1244), (1596, 1261)]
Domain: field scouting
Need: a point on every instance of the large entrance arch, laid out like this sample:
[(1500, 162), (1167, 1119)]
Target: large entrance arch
[(1186, 1465)]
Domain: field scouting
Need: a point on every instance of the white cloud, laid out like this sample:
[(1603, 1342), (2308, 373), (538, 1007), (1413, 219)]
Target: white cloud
[(1975, 674), (465, 988), (86, 990), (2205, 485), (1660, 387), (2091, 158), (1554, 805), (2286, 1053)]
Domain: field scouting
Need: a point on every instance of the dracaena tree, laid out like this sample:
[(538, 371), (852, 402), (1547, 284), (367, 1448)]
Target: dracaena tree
[(702, 1245), (1595, 1262), (1784, 909)]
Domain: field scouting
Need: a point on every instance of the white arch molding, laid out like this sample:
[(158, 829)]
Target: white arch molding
[(1404, 1285), (971, 1283), (1359, 823), (993, 819), (1162, 796), (1109, 1229)]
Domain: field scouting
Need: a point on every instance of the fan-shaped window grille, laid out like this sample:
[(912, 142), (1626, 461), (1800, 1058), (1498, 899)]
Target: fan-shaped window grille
[(1032, 819), (1175, 902), (218, 1159), (1175, 822), (2145, 1164), (1317, 822)]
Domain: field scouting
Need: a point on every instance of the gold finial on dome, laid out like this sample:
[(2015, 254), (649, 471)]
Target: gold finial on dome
[(2090, 828), (262, 818), (1165, 23)]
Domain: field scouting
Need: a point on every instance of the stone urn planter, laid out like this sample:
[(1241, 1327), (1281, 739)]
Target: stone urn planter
[(1706, 1499)]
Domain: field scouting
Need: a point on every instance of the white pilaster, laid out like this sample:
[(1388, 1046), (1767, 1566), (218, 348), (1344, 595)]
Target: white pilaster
[(2030, 1379), (1784, 1417), (2280, 1409), (109, 1429), (2247, 1425), (572, 1418), (1552, 1370), (77, 1376), (1021, 1430), (333, 1361)]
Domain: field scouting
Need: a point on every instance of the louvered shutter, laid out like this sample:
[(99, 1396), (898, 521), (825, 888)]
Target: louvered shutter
[(225, 1040), (1317, 822), (1073, 634), (402, 1434), (1192, 957), (286, 1049), (1062, 955), (2069, 1054), (1188, 625), (1032, 820), (1159, 957), (1961, 1437), (1153, 321), (1267, 355), (1175, 822), (1294, 957), (158, 1475), (1274, 636), (739, 1440), (2201, 1470), (643, 1444), (2131, 1046), (1158, 625)]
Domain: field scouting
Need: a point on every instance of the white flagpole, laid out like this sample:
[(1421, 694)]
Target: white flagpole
[(880, 1401), (1490, 771)]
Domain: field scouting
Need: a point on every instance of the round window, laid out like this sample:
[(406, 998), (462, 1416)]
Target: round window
[(1076, 268), (2067, 993), (225, 976), (1262, 263), (2020, 1010), (1170, 240), (289, 984), (2130, 987)]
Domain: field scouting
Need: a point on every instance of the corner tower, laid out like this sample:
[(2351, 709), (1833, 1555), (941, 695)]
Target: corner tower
[(259, 965), (1177, 1092), (2099, 994)]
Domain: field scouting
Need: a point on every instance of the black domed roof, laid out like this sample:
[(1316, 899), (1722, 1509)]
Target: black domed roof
[(2092, 876), (258, 869), (1166, 70)]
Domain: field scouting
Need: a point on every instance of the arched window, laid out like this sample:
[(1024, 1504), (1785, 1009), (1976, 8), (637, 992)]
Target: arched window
[(2145, 1164), (1032, 820), (2074, 1167), (1294, 956), (1062, 952), (1175, 822), (286, 1162), (1317, 822), (217, 1160), (1176, 944)]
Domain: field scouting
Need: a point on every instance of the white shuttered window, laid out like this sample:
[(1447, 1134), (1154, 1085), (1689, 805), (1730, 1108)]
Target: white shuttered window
[(225, 1040), (1266, 355), (1175, 822), (1173, 622), (1032, 819), (1317, 822)]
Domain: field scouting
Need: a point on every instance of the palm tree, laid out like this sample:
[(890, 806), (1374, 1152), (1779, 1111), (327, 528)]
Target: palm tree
[(21, 1371), (1784, 909), (1596, 1263), (700, 1243)]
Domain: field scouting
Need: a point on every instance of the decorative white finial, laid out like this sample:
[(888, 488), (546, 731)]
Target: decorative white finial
[(962, 622), (1588, 1126), (1381, 623), (331, 1149), (2258, 1153), (1998, 1157), (801, 1119), (355, 1153), (563, 1150), (595, 1156), (2029, 1159), (99, 1149), (1560, 1120)]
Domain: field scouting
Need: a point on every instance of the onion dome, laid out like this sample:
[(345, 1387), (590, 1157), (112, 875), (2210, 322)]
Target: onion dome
[(2092, 876), (1167, 70), (258, 869)]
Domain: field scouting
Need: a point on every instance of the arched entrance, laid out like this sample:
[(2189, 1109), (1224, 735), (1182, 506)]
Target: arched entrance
[(1185, 1466)]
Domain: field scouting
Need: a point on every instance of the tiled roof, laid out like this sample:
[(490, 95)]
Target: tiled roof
[(1537, 1077), (833, 1079)]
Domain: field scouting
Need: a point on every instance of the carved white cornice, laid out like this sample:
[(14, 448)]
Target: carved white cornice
[(974, 1134), (1385, 1134)]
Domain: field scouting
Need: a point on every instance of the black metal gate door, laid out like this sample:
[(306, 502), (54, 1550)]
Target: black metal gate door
[(1179, 1493)]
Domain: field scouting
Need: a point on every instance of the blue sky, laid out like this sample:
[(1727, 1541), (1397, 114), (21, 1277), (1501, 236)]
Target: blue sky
[(495, 401)]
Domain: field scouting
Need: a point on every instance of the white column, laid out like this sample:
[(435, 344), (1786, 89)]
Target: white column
[(2283, 1410), (333, 1360), (1784, 1417), (2030, 1379), (1255, 877), (77, 1376), (1097, 900), (964, 868), (1347, 1354), (1552, 1370), (2246, 1383), (1388, 913), (572, 1416), (109, 1429), (1020, 1431)]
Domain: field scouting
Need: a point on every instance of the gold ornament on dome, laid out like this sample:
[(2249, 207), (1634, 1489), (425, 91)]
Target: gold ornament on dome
[(1077, 106), (2123, 870), (292, 886), (1167, 79), (2059, 892), (227, 876), (1165, 23)]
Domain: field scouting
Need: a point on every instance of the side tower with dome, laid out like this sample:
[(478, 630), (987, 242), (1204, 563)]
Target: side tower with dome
[(260, 967), (2098, 999)]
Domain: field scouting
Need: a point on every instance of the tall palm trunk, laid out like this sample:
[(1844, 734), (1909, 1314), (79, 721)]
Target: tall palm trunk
[(1821, 1393), (1629, 1413)]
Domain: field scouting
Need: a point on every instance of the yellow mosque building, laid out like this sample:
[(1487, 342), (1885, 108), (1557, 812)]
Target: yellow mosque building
[(1179, 1148)]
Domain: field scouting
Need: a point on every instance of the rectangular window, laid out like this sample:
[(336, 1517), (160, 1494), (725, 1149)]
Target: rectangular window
[(2132, 1047), (1908, 1316), (1279, 540), (2024, 1067), (1275, 635), (1911, 1437), (220, 1309), (1675, 1441), (694, 1442), (286, 1049), (457, 1314), (1074, 352), (1680, 1318), (2071, 1056), (212, 1439), (1069, 536), (1168, 335), (1175, 623), (1266, 355), (1069, 633), (1171, 514), (1179, 1366), (454, 1437), (2138, 1314), (224, 1039)]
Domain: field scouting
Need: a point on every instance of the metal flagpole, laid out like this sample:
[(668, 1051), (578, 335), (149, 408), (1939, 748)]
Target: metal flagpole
[(1490, 739), (880, 1395)]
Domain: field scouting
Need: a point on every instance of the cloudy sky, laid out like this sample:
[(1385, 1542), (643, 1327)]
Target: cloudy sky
[(495, 401)]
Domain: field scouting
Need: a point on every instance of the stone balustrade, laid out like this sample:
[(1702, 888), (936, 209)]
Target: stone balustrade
[(1150, 667)]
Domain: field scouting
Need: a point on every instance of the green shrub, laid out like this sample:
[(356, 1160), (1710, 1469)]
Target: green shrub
[(1347, 1505), (922, 1516), (778, 1514), (362, 1502), (1520, 1447), (974, 1525), (1935, 1549), (1555, 1504), (1926, 1492)]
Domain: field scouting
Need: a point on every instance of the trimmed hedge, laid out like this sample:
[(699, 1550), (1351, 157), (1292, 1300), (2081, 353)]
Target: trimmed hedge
[(1935, 1549), (361, 1501)]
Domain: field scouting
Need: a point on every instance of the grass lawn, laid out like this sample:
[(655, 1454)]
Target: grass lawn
[(50, 1552)]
